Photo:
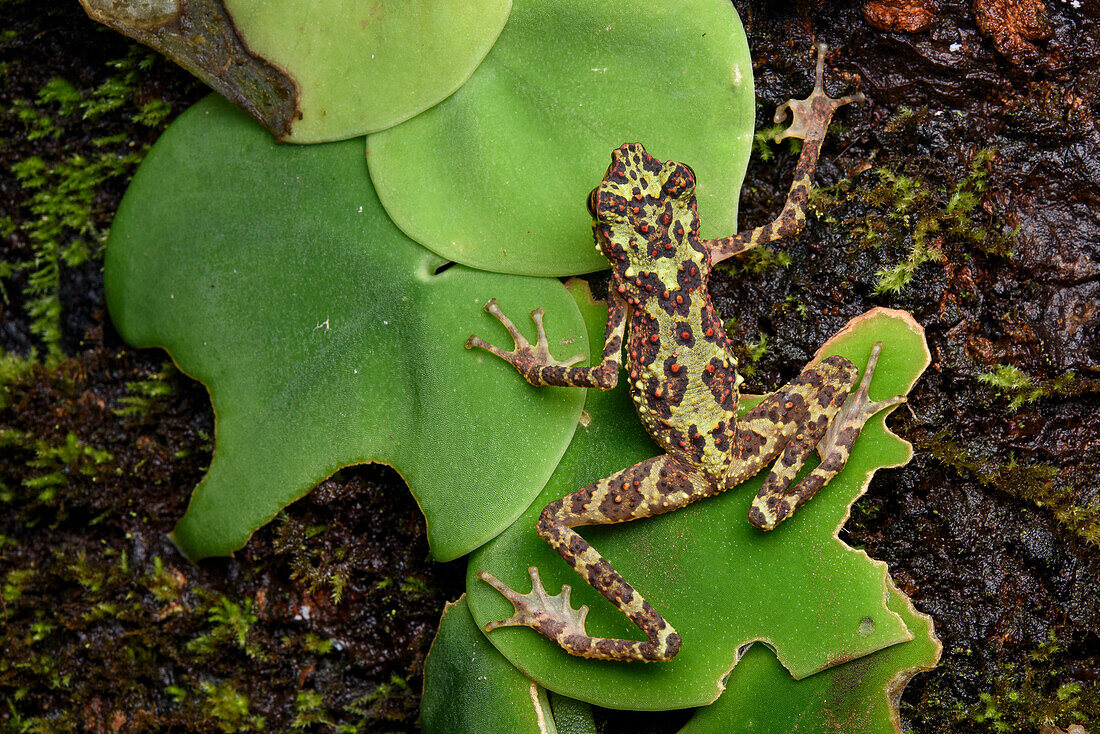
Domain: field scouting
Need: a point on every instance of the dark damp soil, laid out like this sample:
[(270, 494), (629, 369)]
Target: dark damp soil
[(964, 191)]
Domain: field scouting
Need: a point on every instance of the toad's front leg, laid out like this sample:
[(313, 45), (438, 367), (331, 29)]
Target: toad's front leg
[(809, 120), (652, 487), (538, 367)]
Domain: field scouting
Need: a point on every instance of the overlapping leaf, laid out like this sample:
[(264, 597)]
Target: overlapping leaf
[(360, 67), (470, 688), (721, 582), (496, 176), (315, 70), (325, 336)]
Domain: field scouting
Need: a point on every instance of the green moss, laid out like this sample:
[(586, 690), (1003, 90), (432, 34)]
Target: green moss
[(13, 368), (1021, 388), (148, 394), (309, 711), (228, 708), (165, 584), (1034, 695), (374, 705), (756, 261), (62, 230), (936, 220), (229, 625), (62, 220), (315, 564), (1035, 483), (51, 465), (14, 582)]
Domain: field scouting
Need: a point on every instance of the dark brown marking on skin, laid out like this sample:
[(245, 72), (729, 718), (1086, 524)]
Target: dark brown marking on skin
[(683, 334), (721, 379), (782, 511), (795, 406), (756, 517), (621, 501), (689, 277), (642, 344), (552, 628), (626, 594), (713, 330), (577, 643), (848, 438), (676, 380), (658, 397), (750, 442), (675, 302), (578, 501), (648, 285), (697, 439), (553, 374)]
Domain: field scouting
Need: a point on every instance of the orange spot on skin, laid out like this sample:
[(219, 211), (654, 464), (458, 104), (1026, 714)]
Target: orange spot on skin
[(674, 368), (654, 338), (710, 368)]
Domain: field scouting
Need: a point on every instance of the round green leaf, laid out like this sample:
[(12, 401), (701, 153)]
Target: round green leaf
[(718, 580), (325, 336), (859, 697), (470, 688), (496, 176), (360, 67)]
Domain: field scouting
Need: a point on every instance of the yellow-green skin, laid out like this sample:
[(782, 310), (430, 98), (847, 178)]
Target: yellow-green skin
[(684, 382)]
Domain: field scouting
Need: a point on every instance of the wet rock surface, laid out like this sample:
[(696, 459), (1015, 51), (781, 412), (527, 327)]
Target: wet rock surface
[(965, 190)]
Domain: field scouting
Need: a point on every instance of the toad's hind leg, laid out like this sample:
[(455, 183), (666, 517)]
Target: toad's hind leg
[(652, 487), (832, 433)]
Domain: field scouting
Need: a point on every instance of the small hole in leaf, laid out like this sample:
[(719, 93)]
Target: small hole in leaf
[(866, 627)]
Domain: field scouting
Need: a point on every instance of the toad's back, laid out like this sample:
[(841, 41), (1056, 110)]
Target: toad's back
[(683, 377)]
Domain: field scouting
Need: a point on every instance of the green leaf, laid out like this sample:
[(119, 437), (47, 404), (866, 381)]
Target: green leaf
[(361, 67), (470, 688), (496, 176), (316, 70), (859, 697), (325, 336), (572, 716), (718, 580)]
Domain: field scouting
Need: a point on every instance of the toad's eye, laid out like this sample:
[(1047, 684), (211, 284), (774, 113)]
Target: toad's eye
[(592, 202)]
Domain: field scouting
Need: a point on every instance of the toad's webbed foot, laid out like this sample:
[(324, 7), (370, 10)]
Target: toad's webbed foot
[(809, 121), (533, 361), (856, 411), (549, 614), (810, 116), (538, 367)]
